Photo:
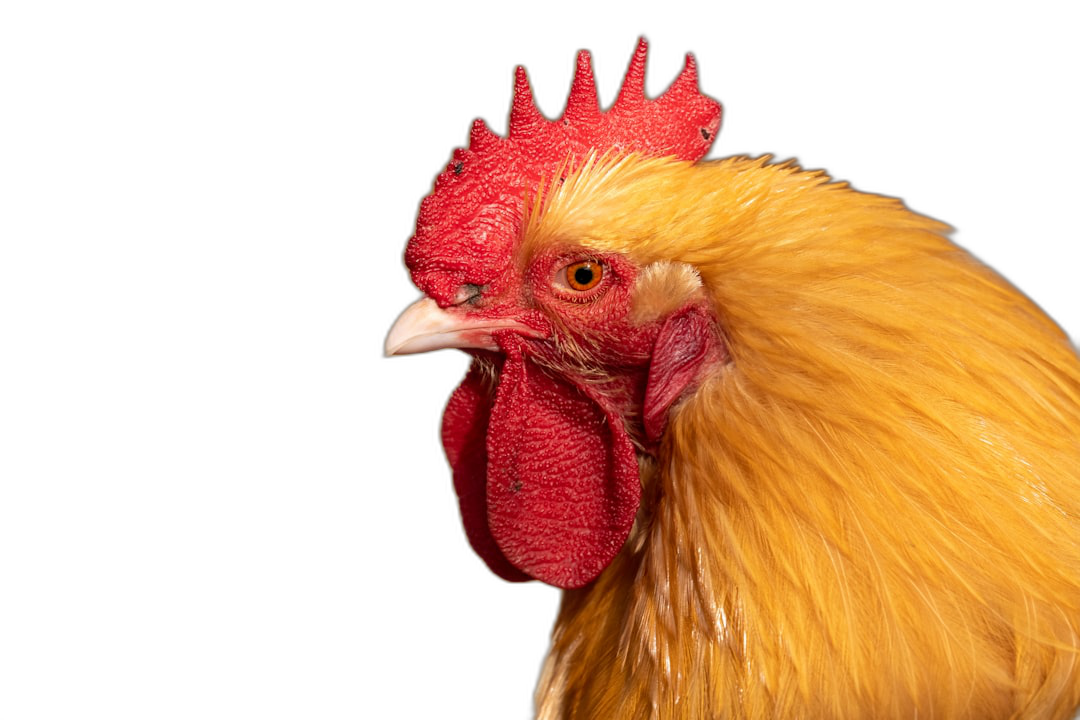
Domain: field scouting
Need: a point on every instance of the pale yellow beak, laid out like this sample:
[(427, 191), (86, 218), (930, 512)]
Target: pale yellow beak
[(424, 326)]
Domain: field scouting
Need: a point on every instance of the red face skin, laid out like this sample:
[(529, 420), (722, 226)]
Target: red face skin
[(583, 335)]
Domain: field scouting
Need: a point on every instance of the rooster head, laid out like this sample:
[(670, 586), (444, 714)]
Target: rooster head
[(578, 353)]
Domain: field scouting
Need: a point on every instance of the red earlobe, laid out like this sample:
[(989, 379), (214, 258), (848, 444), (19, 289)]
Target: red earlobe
[(686, 343)]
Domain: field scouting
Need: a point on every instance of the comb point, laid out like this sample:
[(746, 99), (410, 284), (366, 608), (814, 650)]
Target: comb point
[(582, 103), (523, 112), (481, 138), (633, 87), (687, 82)]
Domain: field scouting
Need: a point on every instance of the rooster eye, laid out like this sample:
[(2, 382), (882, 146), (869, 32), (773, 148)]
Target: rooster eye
[(584, 275)]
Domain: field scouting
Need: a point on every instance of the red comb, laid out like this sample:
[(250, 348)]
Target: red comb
[(681, 122), (467, 225)]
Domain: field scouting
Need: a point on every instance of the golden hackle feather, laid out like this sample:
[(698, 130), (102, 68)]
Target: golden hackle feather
[(872, 510)]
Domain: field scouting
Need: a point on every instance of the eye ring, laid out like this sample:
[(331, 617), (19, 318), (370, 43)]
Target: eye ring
[(584, 275)]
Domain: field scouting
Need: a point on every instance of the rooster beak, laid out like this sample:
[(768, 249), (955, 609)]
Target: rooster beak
[(424, 326)]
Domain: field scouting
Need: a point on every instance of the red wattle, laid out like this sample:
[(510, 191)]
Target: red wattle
[(562, 476), (464, 438), (547, 482)]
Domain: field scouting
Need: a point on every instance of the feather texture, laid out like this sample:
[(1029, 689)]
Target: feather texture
[(871, 510)]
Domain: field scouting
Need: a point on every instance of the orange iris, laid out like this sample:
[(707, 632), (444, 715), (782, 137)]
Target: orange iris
[(584, 275)]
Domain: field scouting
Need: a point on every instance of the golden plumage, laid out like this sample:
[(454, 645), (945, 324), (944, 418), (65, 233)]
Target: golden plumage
[(872, 510)]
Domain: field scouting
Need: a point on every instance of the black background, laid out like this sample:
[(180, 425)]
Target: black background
[(964, 124)]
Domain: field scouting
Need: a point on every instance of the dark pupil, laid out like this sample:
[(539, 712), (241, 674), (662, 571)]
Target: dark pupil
[(583, 275)]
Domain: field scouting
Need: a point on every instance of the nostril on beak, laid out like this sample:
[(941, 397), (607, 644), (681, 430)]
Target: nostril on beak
[(469, 293)]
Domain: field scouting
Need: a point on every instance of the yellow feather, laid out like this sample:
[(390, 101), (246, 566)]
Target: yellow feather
[(873, 510)]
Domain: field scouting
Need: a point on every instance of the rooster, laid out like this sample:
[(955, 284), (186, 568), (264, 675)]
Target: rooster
[(789, 451)]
